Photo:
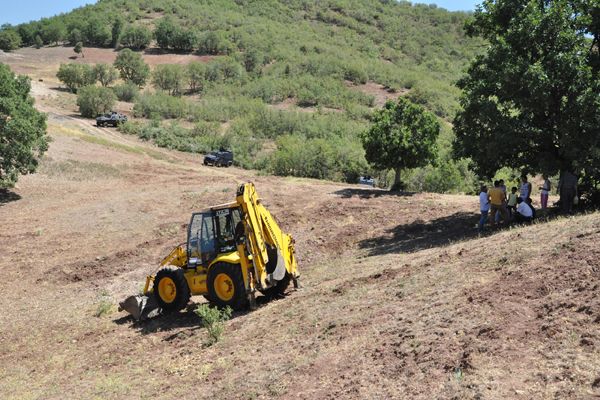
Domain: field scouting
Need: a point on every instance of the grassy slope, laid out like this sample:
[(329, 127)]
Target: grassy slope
[(316, 54)]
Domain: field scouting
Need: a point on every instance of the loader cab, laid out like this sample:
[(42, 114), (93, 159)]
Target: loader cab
[(212, 233)]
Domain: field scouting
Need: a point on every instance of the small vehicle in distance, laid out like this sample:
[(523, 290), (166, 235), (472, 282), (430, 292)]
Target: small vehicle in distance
[(111, 119), (221, 158), (366, 180)]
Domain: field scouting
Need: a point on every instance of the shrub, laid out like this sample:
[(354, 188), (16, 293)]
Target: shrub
[(9, 40), (94, 100), (195, 75), (96, 32), (126, 92), (53, 32), (132, 67), (130, 128), (75, 76), (169, 77), (105, 74), (135, 37), (160, 105), (213, 320)]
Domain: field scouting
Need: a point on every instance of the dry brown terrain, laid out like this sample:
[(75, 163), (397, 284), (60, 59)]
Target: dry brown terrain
[(401, 297)]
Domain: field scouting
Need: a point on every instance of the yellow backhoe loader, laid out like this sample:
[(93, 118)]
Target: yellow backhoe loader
[(232, 251)]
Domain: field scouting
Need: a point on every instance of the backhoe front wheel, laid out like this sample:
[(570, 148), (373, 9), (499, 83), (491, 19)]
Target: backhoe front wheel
[(226, 286), (171, 290)]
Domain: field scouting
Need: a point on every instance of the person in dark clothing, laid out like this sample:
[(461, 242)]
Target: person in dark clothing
[(567, 187)]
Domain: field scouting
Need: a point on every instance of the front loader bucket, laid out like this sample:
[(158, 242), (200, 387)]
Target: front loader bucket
[(140, 307)]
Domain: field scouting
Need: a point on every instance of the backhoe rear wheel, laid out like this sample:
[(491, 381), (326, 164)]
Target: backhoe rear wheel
[(171, 290), (226, 286)]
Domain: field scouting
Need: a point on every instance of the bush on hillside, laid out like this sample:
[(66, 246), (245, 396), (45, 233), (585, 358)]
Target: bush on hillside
[(169, 77), (105, 74), (127, 91), (75, 76), (9, 40), (135, 37), (93, 100), (160, 105), (132, 67)]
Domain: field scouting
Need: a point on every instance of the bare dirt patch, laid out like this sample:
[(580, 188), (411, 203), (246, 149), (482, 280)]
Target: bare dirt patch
[(380, 93)]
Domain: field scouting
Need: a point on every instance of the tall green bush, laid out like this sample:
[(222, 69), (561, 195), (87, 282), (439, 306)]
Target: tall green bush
[(93, 100)]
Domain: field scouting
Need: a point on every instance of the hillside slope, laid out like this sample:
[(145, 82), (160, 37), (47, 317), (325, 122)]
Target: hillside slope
[(401, 298), (288, 85)]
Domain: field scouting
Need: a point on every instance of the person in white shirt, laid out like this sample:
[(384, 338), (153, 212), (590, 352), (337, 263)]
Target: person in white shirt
[(525, 191), (484, 206), (524, 212), (545, 191)]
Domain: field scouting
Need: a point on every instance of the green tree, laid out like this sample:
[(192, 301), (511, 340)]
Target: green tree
[(252, 60), (531, 102), (105, 74), (9, 40), (132, 67), (184, 40), (97, 32), (28, 33), (53, 32), (135, 37), (78, 49), (95, 100), (22, 128), (38, 42), (75, 76), (116, 29), (75, 36), (195, 74), (169, 77), (164, 32), (402, 135)]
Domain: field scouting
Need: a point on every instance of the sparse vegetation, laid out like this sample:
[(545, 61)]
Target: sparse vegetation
[(213, 320), (105, 304)]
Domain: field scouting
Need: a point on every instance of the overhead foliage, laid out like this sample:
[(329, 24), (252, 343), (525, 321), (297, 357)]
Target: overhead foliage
[(533, 100)]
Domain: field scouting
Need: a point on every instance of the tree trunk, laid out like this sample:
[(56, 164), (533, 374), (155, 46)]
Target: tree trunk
[(397, 186)]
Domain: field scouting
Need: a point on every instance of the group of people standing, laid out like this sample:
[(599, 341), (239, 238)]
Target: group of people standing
[(509, 206)]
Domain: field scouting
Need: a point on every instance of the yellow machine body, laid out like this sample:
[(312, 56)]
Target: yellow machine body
[(263, 253)]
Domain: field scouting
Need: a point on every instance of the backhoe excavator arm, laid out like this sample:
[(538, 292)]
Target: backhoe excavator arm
[(263, 234)]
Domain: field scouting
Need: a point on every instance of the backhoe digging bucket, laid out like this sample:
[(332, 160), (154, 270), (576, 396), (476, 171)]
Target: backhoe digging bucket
[(140, 307)]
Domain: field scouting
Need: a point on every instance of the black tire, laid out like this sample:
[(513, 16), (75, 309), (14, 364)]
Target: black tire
[(229, 164), (279, 289), (99, 124), (238, 300), (180, 286)]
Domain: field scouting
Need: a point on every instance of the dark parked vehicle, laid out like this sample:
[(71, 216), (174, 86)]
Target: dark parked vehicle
[(221, 158), (111, 119)]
